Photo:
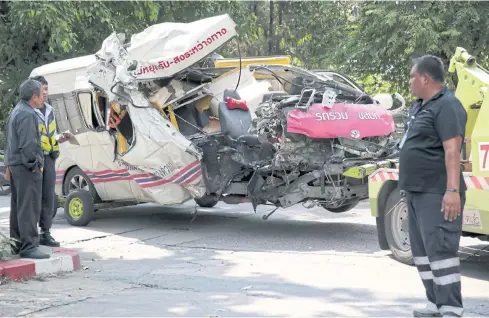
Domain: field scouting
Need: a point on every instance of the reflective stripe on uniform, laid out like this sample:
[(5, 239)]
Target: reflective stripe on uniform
[(423, 260), (52, 124), (438, 265), (446, 263), (428, 275), (443, 266), (456, 310), (447, 279)]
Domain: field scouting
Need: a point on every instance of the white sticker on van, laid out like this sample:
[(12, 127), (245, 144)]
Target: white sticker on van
[(472, 218)]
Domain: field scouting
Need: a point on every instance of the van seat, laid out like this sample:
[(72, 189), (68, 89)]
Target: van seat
[(234, 122)]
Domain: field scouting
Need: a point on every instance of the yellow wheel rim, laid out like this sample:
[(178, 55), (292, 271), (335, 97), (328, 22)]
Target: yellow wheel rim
[(76, 208)]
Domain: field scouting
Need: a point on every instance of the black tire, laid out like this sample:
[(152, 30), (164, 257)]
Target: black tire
[(380, 223), (207, 201), (77, 174), (343, 208), (79, 208), (396, 228)]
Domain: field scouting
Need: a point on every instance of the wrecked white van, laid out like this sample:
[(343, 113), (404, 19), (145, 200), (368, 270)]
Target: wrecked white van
[(149, 125)]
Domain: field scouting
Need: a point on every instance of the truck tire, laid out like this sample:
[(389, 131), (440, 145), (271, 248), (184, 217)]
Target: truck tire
[(396, 228), (207, 201), (381, 237), (79, 208)]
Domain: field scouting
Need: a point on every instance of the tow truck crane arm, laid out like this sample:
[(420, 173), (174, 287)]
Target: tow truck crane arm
[(472, 90)]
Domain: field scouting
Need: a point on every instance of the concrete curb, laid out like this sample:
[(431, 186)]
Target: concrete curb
[(61, 260)]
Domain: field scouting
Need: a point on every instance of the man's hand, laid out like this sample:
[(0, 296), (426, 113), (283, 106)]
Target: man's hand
[(451, 205), (64, 136)]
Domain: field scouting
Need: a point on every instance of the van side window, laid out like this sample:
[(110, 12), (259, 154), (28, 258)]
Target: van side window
[(121, 126), (86, 106), (68, 113), (101, 107)]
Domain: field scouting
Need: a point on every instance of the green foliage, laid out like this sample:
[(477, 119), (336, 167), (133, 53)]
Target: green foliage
[(388, 35), (35, 33), (373, 42), (5, 244)]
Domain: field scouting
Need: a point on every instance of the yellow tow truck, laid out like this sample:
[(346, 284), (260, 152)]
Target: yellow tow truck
[(386, 204)]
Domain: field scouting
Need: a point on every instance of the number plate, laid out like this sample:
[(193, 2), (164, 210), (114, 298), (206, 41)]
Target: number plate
[(472, 218)]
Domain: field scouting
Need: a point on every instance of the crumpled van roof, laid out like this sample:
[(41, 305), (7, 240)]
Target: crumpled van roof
[(62, 75)]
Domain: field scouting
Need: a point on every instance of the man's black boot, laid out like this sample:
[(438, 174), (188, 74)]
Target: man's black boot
[(47, 240), (34, 253)]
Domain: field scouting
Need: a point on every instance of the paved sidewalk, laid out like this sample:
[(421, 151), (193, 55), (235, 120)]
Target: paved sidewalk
[(61, 260)]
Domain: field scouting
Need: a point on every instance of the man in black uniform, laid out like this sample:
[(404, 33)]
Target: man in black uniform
[(431, 177), (50, 147), (24, 159)]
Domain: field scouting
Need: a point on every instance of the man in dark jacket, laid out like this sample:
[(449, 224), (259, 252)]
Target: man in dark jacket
[(25, 160)]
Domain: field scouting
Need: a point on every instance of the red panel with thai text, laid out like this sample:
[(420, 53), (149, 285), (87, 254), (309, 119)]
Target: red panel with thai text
[(341, 120)]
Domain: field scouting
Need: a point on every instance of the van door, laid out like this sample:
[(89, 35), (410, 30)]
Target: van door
[(107, 169), (69, 117)]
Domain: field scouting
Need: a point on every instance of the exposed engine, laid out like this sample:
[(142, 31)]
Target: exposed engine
[(298, 146), (309, 136)]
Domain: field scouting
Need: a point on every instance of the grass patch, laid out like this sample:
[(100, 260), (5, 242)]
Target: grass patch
[(6, 243)]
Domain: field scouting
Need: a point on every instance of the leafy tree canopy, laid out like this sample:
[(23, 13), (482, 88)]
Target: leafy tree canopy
[(374, 42)]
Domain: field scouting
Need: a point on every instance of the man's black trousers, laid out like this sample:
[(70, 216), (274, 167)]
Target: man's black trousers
[(48, 193), (435, 243), (25, 206)]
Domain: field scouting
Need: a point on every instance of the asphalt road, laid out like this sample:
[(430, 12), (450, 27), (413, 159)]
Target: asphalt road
[(148, 261)]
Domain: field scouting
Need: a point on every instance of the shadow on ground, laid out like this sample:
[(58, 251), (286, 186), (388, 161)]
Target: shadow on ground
[(236, 228)]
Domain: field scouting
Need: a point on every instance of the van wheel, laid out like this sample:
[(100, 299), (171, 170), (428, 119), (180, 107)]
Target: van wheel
[(397, 228), (207, 201), (76, 180), (79, 208)]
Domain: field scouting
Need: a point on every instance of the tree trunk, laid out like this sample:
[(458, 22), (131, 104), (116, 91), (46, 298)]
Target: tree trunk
[(281, 8), (271, 31)]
